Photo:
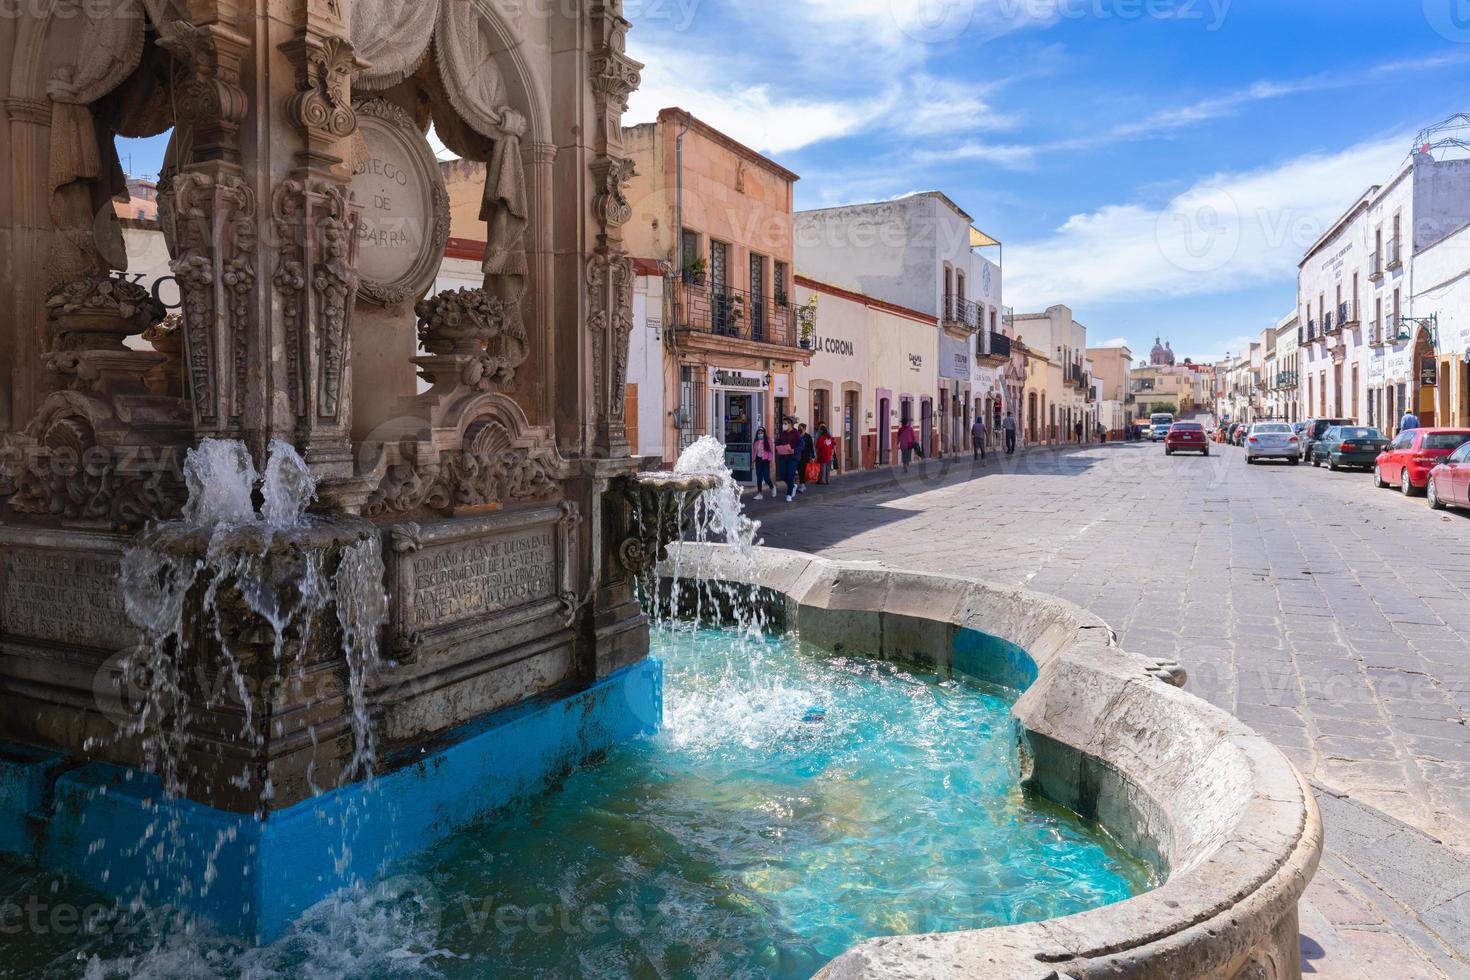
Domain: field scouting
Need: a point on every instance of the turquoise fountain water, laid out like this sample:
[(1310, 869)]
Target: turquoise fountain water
[(794, 804)]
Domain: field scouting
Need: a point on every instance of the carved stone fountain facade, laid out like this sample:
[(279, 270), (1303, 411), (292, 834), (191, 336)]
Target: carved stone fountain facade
[(478, 431)]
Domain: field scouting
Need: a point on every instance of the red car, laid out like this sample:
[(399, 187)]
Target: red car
[(1409, 458), (1186, 437), (1449, 482)]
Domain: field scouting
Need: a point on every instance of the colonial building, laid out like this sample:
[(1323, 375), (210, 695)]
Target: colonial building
[(1111, 367), (1370, 322), (717, 217), (922, 253), (1282, 383), (1059, 391)]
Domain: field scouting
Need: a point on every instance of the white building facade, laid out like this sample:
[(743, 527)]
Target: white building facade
[(921, 253), (1380, 305)]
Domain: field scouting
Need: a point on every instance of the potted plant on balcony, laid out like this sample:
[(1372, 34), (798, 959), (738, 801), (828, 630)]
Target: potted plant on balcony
[(694, 272), (782, 300), (806, 322)]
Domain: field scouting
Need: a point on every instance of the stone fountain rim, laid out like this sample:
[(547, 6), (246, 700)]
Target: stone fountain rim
[(1235, 822)]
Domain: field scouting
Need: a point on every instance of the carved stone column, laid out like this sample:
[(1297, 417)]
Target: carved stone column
[(315, 273), (615, 76), (536, 392), (211, 211)]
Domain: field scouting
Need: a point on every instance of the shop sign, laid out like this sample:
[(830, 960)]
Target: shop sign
[(742, 380), (782, 385), (834, 345)]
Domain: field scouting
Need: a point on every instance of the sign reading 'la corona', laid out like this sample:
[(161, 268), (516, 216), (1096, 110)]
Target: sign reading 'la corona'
[(405, 209)]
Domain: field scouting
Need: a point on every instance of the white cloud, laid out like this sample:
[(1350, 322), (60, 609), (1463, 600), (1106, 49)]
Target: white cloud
[(826, 69), (1226, 232), (1115, 342)]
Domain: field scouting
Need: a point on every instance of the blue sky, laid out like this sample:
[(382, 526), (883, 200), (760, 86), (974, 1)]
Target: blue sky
[(1157, 165)]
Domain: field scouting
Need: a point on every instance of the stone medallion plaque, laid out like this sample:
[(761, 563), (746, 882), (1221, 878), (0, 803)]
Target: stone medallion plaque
[(405, 209)]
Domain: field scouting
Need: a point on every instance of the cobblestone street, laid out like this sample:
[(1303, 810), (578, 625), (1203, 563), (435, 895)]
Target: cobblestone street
[(1327, 614)]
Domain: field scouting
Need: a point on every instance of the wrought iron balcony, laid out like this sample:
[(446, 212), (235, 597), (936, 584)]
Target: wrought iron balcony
[(1395, 259), (1000, 346), (1330, 324), (1311, 330), (701, 307), (1375, 266), (962, 313), (1346, 315), (1286, 379)]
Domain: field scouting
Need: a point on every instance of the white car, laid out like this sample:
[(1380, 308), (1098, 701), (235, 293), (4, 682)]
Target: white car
[(1272, 440)]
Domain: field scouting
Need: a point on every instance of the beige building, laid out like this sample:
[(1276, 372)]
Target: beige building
[(718, 217), (1111, 367), (1059, 391)]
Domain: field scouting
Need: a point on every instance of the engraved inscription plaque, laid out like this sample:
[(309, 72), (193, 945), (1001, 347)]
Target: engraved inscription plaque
[(460, 580), (63, 596), (451, 581)]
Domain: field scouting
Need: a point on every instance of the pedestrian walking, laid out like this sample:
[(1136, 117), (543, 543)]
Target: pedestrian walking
[(765, 456), (1102, 434), (1010, 429), (1078, 430), (807, 455), (788, 454), (1409, 421), (826, 452), (977, 438), (908, 443)]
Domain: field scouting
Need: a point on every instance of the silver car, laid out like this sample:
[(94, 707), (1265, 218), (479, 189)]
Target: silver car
[(1272, 440)]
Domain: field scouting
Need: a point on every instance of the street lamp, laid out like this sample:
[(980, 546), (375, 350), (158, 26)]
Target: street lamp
[(1431, 323)]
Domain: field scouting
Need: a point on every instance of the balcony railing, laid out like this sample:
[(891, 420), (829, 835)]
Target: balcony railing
[(1000, 345), (1375, 266), (1330, 324), (961, 312), (1346, 315), (1311, 330), (1286, 379), (734, 313), (1395, 260)]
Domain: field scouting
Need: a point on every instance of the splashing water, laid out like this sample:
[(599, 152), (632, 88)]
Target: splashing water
[(288, 487), (296, 574), (717, 516), (220, 476)]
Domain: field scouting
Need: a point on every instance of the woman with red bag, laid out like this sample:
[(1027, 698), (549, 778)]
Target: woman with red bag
[(808, 470), (826, 450)]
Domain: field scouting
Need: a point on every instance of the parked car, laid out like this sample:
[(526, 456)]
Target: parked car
[(1272, 440), (1313, 431), (1186, 437), (1449, 482), (1349, 445), (1409, 458)]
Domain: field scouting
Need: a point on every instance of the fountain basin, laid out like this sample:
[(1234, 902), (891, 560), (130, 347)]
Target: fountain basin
[(1221, 811), (252, 876)]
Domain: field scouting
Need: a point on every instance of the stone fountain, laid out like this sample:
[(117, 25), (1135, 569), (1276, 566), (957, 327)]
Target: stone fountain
[(455, 620)]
